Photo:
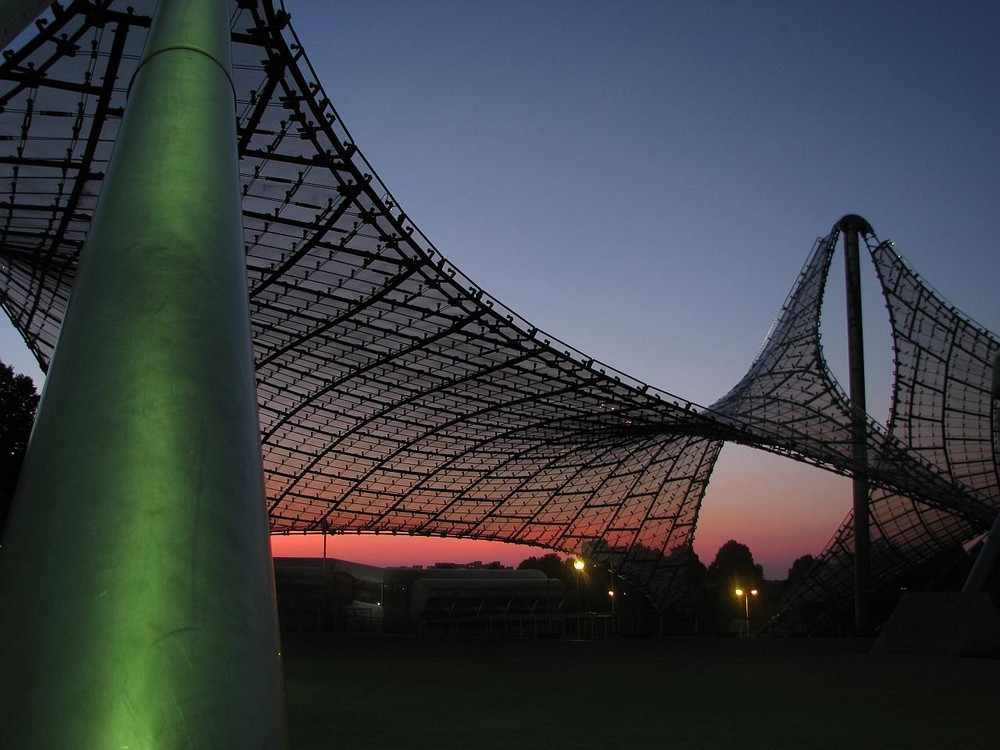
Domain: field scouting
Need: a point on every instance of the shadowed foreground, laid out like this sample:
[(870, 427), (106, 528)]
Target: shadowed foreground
[(388, 691)]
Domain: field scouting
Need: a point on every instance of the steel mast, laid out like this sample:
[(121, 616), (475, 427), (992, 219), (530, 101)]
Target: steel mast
[(135, 576)]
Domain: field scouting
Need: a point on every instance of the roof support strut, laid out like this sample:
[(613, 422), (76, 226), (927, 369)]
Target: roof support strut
[(853, 226), (135, 575)]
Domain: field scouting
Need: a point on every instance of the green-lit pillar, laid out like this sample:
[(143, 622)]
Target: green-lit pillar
[(136, 588)]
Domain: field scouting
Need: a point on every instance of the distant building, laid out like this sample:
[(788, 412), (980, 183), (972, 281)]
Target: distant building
[(336, 595)]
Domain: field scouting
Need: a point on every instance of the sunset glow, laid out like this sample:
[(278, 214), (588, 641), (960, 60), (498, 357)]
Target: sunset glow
[(780, 509)]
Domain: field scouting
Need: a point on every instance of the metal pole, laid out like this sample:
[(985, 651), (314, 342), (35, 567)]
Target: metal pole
[(852, 226), (15, 15), (136, 583)]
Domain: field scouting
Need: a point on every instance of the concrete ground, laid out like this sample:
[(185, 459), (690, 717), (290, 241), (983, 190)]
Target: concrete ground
[(376, 691)]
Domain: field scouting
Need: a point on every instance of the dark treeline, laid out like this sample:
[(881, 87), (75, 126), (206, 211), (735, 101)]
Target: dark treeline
[(711, 604), (18, 401), (715, 602)]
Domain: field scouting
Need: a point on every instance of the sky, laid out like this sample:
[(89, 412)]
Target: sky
[(644, 180)]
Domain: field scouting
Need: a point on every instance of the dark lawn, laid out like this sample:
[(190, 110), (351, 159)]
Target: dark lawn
[(350, 691)]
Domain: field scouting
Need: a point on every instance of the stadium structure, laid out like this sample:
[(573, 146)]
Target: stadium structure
[(395, 395)]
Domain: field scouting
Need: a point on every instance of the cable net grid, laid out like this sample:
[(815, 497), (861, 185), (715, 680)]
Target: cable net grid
[(395, 396)]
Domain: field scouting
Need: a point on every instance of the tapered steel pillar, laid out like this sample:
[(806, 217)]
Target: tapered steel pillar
[(136, 588), (852, 227)]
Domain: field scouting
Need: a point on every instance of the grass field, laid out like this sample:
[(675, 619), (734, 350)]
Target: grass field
[(351, 691)]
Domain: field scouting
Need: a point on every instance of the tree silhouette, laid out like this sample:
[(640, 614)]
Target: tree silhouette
[(800, 567), (18, 401), (551, 565), (734, 566)]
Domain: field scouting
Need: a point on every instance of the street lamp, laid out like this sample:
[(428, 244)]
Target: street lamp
[(579, 566), (746, 604), (611, 591)]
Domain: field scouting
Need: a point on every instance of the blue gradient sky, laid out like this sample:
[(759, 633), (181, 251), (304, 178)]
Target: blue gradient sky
[(644, 180)]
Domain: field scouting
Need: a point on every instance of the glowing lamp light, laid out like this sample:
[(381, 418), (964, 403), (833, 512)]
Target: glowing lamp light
[(579, 564)]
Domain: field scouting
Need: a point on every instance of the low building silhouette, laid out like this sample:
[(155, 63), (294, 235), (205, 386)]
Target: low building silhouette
[(324, 595)]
